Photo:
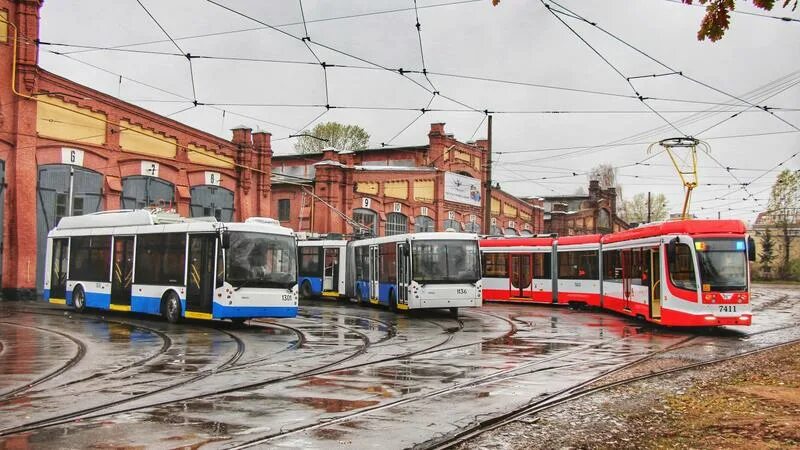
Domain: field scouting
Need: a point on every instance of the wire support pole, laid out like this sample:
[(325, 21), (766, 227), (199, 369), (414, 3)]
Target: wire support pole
[(487, 196)]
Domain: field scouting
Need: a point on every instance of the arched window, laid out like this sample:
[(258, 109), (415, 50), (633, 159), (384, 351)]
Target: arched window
[(496, 231), (472, 227), (454, 224), (368, 218), (603, 221), (212, 201), (396, 223), (423, 224), (139, 192), (511, 232)]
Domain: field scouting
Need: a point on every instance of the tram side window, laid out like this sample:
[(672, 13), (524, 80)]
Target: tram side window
[(635, 266), (90, 258), (612, 266), (310, 262), (681, 268), (542, 266), (577, 265), (388, 263), (160, 258), (495, 265)]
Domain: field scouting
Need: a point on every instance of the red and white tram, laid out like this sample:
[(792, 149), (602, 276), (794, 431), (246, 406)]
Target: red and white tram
[(682, 273)]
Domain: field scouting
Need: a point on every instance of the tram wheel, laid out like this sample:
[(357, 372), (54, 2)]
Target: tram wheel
[(239, 321), (392, 300), (454, 312), (171, 308), (78, 299), (305, 289)]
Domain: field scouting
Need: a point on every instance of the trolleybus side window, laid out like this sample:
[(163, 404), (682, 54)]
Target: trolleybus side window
[(310, 262), (445, 261), (681, 268), (495, 265), (160, 258), (388, 264), (580, 265), (362, 261), (542, 265), (90, 258)]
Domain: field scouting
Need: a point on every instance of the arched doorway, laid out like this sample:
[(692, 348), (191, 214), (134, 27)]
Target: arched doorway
[(63, 190), (212, 201), (396, 223), (139, 191)]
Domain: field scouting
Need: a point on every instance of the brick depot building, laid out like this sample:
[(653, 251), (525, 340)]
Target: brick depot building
[(433, 187), (66, 149)]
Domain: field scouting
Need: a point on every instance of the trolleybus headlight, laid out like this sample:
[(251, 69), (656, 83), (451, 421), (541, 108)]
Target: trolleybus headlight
[(711, 318)]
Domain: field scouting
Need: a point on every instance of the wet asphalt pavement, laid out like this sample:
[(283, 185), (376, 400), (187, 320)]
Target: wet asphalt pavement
[(338, 375)]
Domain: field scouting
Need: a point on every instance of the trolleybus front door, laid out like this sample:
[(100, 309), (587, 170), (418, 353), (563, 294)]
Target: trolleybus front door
[(521, 275), (403, 273), (655, 284), (122, 277), (374, 270), (58, 271), (330, 274), (200, 276)]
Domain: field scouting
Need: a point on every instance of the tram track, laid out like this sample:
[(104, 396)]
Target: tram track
[(583, 389), (491, 378), (71, 362)]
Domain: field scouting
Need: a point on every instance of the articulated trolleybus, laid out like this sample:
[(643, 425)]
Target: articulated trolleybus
[(159, 263), (682, 273), (418, 270)]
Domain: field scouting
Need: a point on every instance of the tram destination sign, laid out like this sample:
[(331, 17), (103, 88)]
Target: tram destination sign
[(462, 189)]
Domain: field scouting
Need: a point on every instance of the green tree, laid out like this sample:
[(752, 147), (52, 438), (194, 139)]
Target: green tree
[(635, 209), (784, 212), (332, 134), (767, 251)]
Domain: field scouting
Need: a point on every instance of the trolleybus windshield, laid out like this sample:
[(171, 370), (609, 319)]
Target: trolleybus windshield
[(261, 260), (723, 264), (449, 261)]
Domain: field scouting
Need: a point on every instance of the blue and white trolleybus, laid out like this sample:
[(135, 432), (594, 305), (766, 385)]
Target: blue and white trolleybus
[(159, 263)]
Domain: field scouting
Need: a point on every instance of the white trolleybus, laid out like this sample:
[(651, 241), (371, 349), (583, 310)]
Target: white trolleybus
[(159, 263), (414, 271)]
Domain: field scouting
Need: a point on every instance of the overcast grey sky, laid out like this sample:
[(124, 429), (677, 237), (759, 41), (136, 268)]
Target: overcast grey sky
[(537, 151)]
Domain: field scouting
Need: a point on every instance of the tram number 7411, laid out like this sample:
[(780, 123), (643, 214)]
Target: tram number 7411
[(727, 308)]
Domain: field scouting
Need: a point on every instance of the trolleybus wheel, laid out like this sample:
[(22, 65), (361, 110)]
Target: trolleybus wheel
[(305, 289), (78, 299), (454, 312), (172, 308)]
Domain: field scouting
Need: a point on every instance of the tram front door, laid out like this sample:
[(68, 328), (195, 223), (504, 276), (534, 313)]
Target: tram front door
[(58, 271), (122, 278), (200, 276), (521, 276), (655, 284)]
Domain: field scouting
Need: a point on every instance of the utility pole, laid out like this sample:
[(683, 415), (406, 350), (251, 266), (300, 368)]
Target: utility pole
[(649, 208), (487, 192)]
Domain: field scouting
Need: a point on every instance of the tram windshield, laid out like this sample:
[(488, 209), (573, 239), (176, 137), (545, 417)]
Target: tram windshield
[(447, 261), (723, 264), (261, 260)]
